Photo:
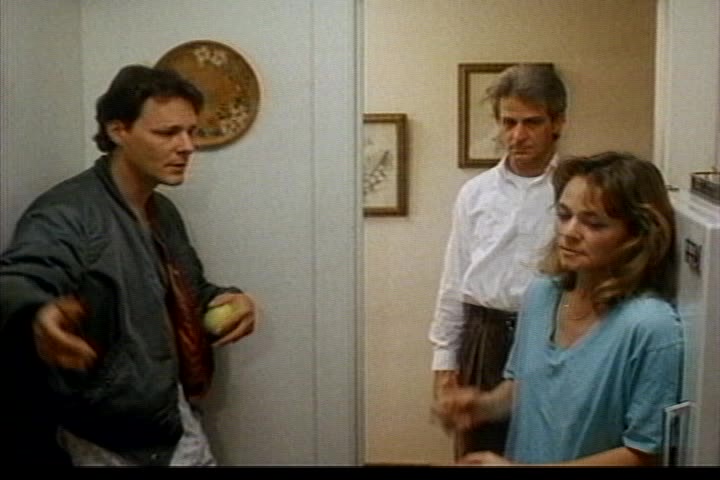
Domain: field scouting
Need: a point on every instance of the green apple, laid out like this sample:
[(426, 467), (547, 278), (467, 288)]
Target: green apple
[(218, 319)]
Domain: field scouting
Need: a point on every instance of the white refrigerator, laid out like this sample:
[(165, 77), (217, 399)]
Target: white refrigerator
[(692, 436)]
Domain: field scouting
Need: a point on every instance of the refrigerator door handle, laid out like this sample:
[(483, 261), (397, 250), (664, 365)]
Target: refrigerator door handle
[(675, 432)]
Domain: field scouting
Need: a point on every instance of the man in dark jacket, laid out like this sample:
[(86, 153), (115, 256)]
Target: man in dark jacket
[(102, 296)]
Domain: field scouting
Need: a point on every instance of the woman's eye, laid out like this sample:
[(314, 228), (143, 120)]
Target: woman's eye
[(596, 225)]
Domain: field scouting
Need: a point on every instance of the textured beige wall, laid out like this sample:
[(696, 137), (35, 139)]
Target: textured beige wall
[(605, 51)]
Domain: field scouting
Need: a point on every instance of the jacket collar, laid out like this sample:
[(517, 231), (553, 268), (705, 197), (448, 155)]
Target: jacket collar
[(102, 170)]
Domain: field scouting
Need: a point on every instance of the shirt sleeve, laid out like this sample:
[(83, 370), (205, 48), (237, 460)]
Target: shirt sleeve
[(448, 320), (654, 382)]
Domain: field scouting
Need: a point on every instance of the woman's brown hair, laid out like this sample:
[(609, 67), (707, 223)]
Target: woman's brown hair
[(633, 190)]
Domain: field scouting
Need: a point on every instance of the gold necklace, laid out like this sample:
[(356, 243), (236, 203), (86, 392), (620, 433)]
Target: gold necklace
[(566, 309)]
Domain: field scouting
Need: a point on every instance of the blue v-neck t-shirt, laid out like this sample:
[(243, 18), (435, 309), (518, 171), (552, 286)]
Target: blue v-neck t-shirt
[(609, 389)]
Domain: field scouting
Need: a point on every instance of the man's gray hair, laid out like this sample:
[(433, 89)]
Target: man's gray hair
[(538, 83)]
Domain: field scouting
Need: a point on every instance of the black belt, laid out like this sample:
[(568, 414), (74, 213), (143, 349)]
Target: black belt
[(491, 314)]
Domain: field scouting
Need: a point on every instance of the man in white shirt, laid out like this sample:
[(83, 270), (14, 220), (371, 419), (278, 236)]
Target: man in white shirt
[(502, 219)]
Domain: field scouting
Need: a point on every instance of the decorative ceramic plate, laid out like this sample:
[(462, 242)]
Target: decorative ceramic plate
[(229, 84)]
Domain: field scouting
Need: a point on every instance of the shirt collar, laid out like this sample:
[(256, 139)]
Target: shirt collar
[(507, 174)]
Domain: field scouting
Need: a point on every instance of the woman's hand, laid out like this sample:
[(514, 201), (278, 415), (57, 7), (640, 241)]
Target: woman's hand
[(487, 458), (461, 408)]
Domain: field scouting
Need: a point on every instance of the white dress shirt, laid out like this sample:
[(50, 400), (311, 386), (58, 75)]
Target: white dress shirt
[(501, 224)]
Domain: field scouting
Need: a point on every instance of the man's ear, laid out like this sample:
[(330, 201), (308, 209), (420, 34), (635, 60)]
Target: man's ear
[(116, 130)]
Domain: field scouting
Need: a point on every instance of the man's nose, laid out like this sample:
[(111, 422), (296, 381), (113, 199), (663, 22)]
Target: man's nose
[(187, 143), (519, 132)]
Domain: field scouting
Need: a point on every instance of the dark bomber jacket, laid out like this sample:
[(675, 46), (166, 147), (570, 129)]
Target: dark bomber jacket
[(81, 237)]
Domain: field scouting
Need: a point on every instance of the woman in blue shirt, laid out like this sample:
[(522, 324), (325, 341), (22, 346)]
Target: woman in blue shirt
[(598, 349)]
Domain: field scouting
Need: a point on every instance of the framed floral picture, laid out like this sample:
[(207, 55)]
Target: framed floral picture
[(385, 164)]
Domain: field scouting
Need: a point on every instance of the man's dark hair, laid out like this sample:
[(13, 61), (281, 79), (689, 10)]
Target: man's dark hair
[(129, 90)]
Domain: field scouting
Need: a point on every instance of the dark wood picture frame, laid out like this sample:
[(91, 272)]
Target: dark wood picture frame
[(385, 164), (478, 146)]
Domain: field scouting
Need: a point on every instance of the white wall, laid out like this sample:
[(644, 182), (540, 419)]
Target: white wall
[(40, 101), (275, 212)]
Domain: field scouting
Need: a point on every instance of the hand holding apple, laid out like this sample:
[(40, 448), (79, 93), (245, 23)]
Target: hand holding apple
[(220, 318), (230, 316)]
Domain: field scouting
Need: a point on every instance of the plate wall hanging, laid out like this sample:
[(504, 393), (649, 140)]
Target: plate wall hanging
[(229, 84)]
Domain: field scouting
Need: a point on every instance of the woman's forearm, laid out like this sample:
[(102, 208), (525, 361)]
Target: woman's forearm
[(497, 403), (616, 457)]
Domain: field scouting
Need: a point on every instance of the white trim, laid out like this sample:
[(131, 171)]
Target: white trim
[(337, 230)]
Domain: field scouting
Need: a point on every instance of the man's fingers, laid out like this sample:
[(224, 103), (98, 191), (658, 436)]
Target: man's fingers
[(244, 327), (56, 338), (71, 308), (78, 360), (74, 362), (65, 349)]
